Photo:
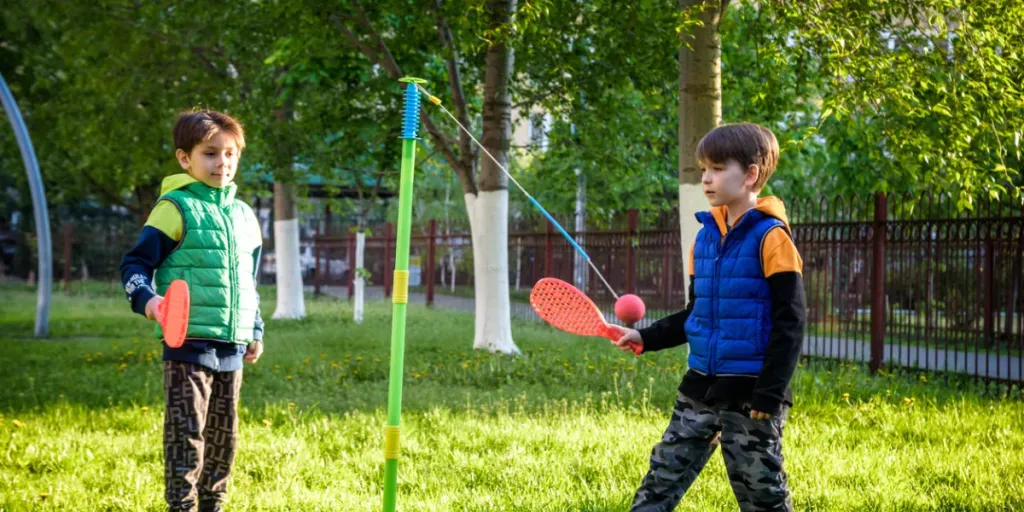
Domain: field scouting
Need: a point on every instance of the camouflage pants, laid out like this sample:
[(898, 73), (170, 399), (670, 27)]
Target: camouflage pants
[(752, 450), (200, 433)]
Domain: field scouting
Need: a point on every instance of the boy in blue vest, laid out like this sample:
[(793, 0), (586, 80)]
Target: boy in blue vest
[(199, 232), (745, 324)]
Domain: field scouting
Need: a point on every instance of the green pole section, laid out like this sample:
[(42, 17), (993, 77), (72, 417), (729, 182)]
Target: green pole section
[(400, 294)]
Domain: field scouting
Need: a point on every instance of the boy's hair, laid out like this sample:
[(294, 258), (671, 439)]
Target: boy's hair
[(747, 143), (197, 126)]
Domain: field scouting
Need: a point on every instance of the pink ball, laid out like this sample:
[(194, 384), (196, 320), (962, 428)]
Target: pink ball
[(630, 309)]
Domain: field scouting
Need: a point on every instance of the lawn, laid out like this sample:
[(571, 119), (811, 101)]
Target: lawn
[(567, 426)]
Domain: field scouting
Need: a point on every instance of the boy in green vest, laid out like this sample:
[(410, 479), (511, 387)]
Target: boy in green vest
[(199, 232)]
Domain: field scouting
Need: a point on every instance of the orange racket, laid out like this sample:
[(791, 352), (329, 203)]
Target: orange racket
[(566, 308), (174, 313)]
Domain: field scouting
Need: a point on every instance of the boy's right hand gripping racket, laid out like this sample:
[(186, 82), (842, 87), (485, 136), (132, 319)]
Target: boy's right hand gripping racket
[(174, 313), (567, 308)]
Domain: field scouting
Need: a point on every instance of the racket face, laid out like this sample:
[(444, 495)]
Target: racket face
[(566, 308), (176, 306)]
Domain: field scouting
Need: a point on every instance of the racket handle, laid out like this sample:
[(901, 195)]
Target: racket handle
[(637, 348), (614, 336), (161, 312)]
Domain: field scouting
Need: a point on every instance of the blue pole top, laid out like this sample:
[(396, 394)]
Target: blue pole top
[(411, 113)]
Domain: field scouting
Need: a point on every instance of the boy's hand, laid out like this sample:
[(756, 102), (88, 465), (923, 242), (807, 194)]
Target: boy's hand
[(758, 415), (629, 339), (153, 310), (253, 352)]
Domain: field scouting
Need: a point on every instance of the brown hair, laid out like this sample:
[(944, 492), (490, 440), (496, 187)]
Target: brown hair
[(747, 143), (197, 126)]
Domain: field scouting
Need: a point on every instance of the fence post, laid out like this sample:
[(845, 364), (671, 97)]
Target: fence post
[(316, 258), (989, 269), (878, 283), (388, 230), (549, 249), (327, 220), (351, 265), (631, 252), (1011, 290), (67, 256), (431, 258), (666, 275)]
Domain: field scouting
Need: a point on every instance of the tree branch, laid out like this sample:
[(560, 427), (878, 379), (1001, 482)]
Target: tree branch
[(444, 33), (387, 61)]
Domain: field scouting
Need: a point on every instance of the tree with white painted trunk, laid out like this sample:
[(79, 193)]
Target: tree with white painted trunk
[(700, 109), (484, 186), (291, 303)]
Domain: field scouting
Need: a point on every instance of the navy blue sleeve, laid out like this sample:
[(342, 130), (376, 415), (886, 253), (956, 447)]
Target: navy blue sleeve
[(257, 329), (140, 261)]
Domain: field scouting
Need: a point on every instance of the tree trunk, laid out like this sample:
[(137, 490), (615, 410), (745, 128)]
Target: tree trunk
[(448, 236), (360, 283), (580, 268), (488, 215), (700, 111), (290, 301), (488, 209)]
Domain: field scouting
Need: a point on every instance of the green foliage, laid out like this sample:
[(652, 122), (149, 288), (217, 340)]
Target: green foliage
[(918, 94), (864, 96)]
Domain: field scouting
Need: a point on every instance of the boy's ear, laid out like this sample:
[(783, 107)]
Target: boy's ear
[(183, 159), (753, 173)]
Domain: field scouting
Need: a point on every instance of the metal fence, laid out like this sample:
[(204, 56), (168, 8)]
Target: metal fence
[(901, 281)]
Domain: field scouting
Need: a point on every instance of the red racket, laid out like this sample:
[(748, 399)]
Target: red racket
[(566, 308), (174, 313)]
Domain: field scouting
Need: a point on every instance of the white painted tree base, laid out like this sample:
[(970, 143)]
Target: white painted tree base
[(691, 201), (488, 221), (290, 301), (360, 283)]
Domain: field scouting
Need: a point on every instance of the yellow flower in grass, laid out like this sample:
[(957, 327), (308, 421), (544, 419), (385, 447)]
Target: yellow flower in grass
[(846, 397), (908, 401)]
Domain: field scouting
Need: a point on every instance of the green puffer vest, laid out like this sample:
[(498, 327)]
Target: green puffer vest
[(214, 256)]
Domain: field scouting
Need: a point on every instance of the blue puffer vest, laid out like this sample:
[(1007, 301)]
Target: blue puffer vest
[(730, 323)]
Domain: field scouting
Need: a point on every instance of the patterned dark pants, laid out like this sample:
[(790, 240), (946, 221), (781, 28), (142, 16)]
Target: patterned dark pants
[(200, 434), (752, 450)]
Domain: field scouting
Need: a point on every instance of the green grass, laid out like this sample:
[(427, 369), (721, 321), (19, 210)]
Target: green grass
[(567, 426)]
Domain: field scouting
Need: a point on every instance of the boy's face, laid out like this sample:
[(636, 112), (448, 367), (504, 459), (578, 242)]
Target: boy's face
[(726, 183), (214, 161)]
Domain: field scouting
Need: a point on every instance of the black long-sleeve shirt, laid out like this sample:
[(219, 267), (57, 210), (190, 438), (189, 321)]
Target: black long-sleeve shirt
[(765, 392)]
